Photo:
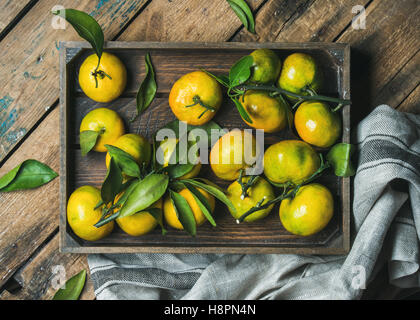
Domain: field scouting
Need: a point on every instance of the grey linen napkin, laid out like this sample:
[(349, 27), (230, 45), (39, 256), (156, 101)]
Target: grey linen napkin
[(386, 230)]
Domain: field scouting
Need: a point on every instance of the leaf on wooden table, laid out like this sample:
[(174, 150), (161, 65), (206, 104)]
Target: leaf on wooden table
[(86, 27), (88, 140), (29, 174), (147, 89), (250, 26), (72, 288)]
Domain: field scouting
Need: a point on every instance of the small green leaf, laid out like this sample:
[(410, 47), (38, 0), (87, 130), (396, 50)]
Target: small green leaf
[(157, 214), (240, 71), (112, 183), (339, 157), (248, 13), (240, 13), (29, 174), (215, 191), (124, 160), (147, 89), (242, 110), (178, 170), (73, 287), (184, 213), (88, 140), (202, 202), (145, 193), (86, 27)]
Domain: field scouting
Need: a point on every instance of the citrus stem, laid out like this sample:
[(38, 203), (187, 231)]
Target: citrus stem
[(247, 185), (291, 194), (338, 107), (99, 73), (197, 100), (299, 96), (102, 222)]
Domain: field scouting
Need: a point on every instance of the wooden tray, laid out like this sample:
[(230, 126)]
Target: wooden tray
[(172, 60)]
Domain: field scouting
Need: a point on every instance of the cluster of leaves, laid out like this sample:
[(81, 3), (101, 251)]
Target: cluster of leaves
[(148, 184)]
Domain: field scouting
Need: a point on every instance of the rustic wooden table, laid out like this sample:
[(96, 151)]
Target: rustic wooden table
[(385, 62)]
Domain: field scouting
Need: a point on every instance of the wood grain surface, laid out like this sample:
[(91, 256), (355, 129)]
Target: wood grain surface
[(384, 70)]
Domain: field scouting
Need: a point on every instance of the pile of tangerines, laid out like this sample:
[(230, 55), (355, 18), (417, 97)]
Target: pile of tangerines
[(195, 98)]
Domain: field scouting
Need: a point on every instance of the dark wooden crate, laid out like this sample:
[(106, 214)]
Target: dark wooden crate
[(172, 60)]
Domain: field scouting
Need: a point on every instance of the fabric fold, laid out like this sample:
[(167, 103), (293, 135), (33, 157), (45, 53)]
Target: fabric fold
[(386, 216)]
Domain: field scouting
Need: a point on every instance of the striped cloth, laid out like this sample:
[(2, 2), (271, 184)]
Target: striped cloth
[(386, 230)]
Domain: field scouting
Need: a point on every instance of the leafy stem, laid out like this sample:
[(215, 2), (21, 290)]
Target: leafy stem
[(312, 96), (291, 194)]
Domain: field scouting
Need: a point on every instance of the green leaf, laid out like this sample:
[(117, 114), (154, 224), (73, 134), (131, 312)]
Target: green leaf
[(339, 157), (127, 192), (240, 71), (29, 174), (73, 287), (124, 160), (215, 191), (86, 27), (240, 13), (88, 140), (242, 110), (145, 193), (247, 11), (157, 214), (147, 89), (178, 170), (112, 183), (222, 79), (202, 202), (184, 213)]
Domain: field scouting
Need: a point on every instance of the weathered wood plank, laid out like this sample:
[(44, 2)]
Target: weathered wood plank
[(380, 52), (28, 217), (412, 102), (400, 86), (29, 64), (9, 9), (185, 20), (302, 20), (37, 276)]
